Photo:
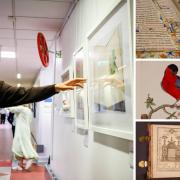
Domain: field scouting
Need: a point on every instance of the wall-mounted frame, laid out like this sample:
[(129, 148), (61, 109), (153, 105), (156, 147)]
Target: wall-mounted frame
[(80, 94), (67, 97), (110, 74)]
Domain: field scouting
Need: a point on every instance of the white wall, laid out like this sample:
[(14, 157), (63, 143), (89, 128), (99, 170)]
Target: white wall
[(35, 122), (94, 156), (42, 124)]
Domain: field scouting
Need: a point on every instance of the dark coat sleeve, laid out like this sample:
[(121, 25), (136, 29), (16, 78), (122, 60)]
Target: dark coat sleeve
[(12, 96)]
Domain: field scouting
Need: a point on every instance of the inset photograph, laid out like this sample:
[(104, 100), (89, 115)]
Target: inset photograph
[(157, 90), (157, 28), (157, 150)]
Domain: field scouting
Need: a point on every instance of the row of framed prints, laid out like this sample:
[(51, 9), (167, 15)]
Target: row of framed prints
[(105, 60)]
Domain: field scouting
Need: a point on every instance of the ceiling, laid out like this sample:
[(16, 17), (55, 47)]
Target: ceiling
[(30, 17)]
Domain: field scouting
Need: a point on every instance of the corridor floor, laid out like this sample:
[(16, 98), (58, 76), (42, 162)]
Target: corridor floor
[(37, 173)]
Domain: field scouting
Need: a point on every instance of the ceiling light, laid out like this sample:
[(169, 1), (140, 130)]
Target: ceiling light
[(8, 54), (18, 76), (18, 85)]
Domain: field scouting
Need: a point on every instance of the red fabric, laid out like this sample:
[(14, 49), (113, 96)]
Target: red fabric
[(169, 84)]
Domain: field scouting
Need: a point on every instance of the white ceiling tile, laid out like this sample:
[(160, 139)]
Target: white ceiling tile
[(30, 66), (29, 43), (30, 55), (6, 33), (7, 42), (38, 24), (50, 9), (24, 34), (5, 7), (26, 52), (6, 22), (8, 48), (26, 43), (26, 63)]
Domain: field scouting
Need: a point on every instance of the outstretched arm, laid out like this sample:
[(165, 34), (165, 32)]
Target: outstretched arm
[(12, 96), (70, 84)]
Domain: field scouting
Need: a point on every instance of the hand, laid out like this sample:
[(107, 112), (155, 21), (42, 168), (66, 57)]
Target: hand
[(111, 80), (70, 84)]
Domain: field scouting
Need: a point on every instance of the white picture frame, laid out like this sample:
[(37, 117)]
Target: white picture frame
[(110, 74), (67, 97), (80, 94)]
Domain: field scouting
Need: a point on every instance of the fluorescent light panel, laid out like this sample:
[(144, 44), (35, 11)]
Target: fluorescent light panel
[(8, 54), (18, 76)]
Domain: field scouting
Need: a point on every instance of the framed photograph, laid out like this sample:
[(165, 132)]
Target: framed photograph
[(80, 94), (67, 97), (110, 64)]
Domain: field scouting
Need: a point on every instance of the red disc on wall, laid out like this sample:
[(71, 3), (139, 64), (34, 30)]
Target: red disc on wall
[(43, 49)]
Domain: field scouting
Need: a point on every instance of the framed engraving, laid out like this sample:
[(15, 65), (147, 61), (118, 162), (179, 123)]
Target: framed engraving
[(164, 151), (67, 97), (80, 94), (110, 64)]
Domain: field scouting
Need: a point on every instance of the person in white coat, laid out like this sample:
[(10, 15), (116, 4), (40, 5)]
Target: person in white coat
[(22, 146), (3, 113)]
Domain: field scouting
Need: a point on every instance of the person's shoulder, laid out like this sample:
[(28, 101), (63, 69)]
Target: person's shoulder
[(1, 83)]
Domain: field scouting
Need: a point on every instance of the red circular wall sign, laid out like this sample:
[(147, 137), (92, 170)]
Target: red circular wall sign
[(43, 49)]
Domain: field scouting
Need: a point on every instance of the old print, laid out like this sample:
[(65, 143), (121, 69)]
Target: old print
[(109, 86), (168, 149), (157, 29), (79, 59)]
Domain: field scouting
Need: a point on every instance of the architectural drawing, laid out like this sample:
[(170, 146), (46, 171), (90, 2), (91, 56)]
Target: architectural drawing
[(169, 149)]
